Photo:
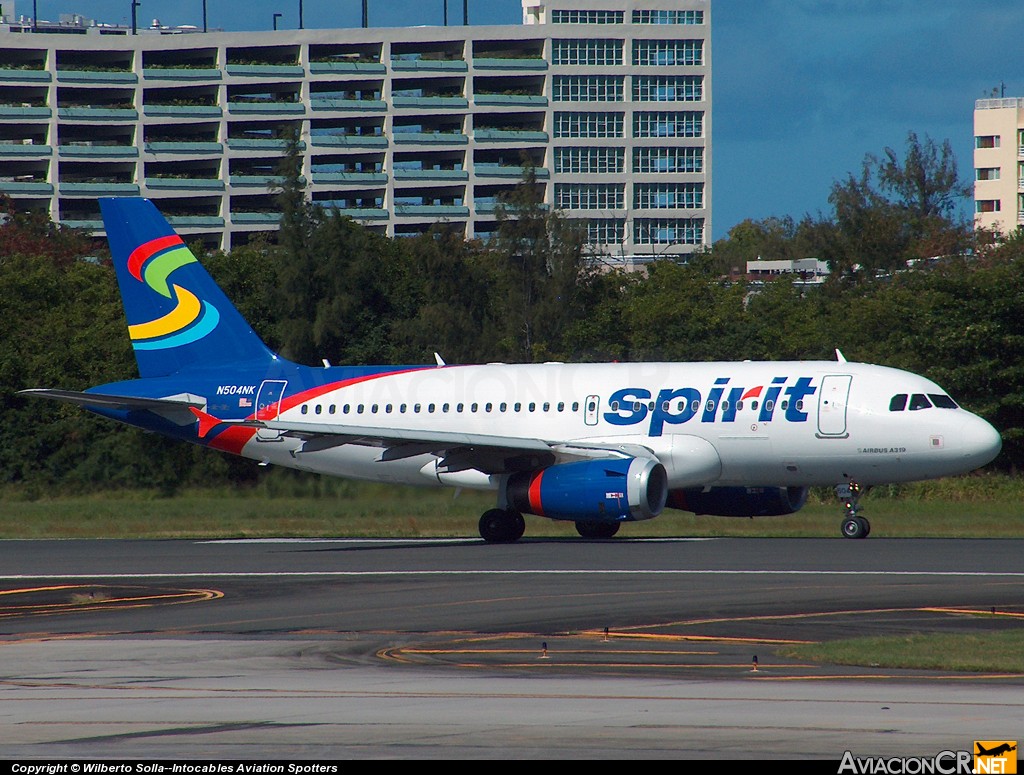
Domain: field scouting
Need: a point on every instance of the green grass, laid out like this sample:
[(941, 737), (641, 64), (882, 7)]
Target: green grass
[(977, 507), (988, 652)]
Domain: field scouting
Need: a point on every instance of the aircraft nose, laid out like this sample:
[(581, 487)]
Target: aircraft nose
[(979, 441)]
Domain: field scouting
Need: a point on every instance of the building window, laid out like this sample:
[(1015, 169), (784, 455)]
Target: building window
[(668, 231), (586, 17), (604, 231), (986, 173), (662, 53), (668, 17), (668, 195), (988, 206), (986, 141), (668, 88), (668, 124), (587, 88), (589, 196), (588, 125), (589, 160), (671, 159), (587, 51)]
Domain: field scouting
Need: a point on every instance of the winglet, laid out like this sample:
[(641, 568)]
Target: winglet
[(207, 422), (440, 360), (840, 358)]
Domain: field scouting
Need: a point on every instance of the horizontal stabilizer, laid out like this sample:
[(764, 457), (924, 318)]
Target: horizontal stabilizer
[(105, 401)]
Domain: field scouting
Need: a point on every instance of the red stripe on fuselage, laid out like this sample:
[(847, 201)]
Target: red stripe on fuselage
[(144, 251), (234, 439), (534, 494)]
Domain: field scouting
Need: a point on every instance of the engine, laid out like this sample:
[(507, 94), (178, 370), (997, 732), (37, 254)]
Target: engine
[(611, 490), (739, 501)]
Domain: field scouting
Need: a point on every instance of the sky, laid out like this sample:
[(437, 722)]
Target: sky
[(802, 90)]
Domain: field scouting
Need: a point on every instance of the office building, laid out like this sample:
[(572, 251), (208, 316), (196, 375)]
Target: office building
[(400, 128), (999, 164)]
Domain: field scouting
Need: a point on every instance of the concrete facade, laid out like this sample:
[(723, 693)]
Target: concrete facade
[(999, 164)]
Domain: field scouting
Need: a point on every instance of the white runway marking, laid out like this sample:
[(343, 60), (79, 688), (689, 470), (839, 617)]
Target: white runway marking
[(486, 572)]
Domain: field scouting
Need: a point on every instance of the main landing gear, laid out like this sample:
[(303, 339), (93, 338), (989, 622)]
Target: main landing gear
[(502, 526), (854, 525)]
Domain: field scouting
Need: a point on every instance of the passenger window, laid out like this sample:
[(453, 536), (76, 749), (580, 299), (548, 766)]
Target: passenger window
[(305, 409), (898, 402), (318, 409), (518, 407), (769, 406), (474, 407), (725, 406), (374, 409), (919, 401), (561, 406), (331, 409), (359, 409), (547, 406), (502, 407), (695, 406), (459, 407), (615, 406), (388, 408), (942, 401), (416, 408), (739, 406), (753, 405), (784, 405), (533, 407), (445, 408), (575, 406), (488, 406), (430, 408), (709, 406), (401, 408), (345, 408)]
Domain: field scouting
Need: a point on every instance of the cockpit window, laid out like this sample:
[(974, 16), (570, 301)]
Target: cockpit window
[(919, 401), (942, 401), (898, 402)]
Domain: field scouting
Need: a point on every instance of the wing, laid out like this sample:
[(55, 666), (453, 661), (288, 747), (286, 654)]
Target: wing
[(490, 454)]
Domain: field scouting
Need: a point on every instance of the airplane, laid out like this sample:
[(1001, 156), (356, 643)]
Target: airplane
[(997, 751), (597, 444)]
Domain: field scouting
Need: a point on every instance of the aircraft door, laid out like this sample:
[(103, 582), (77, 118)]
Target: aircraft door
[(590, 409), (832, 402), (268, 407)]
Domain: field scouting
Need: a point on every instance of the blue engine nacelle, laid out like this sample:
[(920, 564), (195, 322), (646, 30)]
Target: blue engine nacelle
[(739, 501), (613, 490)]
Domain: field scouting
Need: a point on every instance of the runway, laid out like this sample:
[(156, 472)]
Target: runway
[(458, 649)]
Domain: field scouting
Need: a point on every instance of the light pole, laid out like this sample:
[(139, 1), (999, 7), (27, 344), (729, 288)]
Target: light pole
[(204, 15), (445, 13), (35, 15), (276, 17), (135, 5), (301, 26)]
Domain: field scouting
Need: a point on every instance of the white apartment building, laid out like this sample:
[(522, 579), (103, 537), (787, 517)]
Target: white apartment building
[(400, 128), (999, 164)]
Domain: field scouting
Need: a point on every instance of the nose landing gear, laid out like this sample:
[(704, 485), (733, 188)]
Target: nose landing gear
[(854, 525)]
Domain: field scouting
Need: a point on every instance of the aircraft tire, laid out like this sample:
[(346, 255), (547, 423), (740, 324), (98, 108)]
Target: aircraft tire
[(597, 529), (855, 527), (498, 526)]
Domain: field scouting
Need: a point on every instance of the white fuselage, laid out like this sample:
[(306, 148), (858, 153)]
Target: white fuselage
[(724, 423)]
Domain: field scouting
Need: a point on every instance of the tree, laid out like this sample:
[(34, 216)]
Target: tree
[(898, 210), (538, 264)]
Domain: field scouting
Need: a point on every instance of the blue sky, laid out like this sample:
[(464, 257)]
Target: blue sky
[(802, 89)]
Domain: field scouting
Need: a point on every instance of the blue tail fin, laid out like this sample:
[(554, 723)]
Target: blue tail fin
[(177, 316)]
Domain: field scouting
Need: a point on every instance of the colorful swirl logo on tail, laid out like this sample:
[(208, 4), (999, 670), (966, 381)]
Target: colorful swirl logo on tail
[(191, 319)]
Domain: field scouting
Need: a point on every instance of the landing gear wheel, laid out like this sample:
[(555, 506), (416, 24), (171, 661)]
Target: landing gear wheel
[(597, 529), (856, 527), (498, 526)]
